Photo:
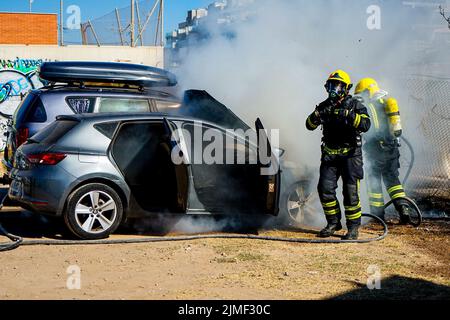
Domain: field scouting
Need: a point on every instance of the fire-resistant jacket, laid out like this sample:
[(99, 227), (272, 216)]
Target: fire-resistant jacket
[(386, 125), (340, 132)]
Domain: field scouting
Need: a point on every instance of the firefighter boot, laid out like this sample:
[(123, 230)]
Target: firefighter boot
[(404, 212), (334, 224), (353, 230)]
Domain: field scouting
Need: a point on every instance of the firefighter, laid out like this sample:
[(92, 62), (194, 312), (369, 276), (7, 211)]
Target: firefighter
[(382, 149), (343, 118)]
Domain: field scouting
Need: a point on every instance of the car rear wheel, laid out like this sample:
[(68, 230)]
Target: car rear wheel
[(94, 211)]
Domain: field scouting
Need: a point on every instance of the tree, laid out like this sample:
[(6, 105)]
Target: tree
[(442, 11)]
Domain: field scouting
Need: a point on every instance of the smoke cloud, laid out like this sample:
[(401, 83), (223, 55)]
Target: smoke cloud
[(274, 59)]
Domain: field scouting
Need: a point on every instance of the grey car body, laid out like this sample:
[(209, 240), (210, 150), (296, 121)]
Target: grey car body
[(41, 107), (117, 150)]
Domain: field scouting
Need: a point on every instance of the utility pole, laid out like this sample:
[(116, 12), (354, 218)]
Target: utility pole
[(132, 23), (163, 36), (61, 22), (119, 25)]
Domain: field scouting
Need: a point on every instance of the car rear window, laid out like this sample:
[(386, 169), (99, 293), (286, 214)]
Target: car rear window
[(37, 112), (107, 128), (54, 131), (23, 108)]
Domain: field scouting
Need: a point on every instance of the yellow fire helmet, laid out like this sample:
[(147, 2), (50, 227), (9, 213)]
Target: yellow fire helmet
[(338, 84), (340, 75), (368, 84)]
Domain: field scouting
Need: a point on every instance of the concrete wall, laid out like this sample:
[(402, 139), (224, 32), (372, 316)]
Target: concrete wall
[(28, 28), (151, 56)]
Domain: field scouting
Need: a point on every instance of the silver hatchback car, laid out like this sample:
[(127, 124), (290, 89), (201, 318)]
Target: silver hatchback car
[(96, 170)]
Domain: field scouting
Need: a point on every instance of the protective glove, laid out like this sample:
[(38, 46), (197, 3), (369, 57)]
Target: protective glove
[(323, 114), (346, 115)]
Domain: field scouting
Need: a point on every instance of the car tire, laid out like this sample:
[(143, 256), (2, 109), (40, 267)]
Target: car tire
[(93, 211), (296, 203)]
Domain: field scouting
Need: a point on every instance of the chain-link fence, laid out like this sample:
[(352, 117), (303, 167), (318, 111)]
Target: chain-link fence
[(115, 28), (430, 177)]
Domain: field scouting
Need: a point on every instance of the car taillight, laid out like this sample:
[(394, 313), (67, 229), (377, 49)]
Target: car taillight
[(22, 136), (46, 158)]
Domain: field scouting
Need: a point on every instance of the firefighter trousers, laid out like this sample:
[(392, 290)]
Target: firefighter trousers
[(349, 167), (383, 165)]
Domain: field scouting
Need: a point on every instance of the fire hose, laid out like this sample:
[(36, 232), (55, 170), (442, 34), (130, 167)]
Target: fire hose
[(17, 241), (411, 163)]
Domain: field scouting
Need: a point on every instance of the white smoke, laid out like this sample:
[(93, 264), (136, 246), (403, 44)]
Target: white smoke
[(280, 53)]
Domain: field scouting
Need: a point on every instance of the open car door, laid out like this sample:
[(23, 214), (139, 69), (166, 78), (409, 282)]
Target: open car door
[(181, 169), (270, 172)]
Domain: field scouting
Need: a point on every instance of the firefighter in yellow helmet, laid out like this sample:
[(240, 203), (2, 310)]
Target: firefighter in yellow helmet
[(343, 119), (382, 149)]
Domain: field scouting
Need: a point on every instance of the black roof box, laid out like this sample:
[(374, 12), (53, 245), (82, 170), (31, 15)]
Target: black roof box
[(106, 72)]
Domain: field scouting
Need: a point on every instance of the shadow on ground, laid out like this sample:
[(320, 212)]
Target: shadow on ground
[(399, 288)]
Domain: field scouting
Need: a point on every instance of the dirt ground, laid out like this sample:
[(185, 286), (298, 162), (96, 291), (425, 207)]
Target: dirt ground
[(413, 264)]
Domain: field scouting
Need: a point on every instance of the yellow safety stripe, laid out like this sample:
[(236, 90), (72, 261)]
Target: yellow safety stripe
[(354, 216), (312, 125), (398, 195), (358, 206), (332, 212), (364, 116), (376, 195), (329, 204), (357, 121), (376, 203), (336, 151), (375, 116), (395, 188)]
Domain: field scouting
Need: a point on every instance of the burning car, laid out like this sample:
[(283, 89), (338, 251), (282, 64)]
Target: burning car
[(106, 156), (97, 170)]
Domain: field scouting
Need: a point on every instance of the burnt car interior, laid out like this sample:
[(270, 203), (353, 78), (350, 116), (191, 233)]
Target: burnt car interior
[(141, 150)]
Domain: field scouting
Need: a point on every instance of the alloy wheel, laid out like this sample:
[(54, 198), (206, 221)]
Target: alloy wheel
[(299, 203), (95, 212)]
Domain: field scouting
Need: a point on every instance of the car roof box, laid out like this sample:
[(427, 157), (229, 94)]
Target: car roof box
[(103, 73)]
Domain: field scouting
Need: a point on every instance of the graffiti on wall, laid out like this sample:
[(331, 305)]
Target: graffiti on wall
[(17, 77)]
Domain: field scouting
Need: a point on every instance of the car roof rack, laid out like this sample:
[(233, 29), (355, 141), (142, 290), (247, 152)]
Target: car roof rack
[(106, 74)]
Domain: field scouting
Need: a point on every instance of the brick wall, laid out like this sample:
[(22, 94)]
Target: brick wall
[(28, 28)]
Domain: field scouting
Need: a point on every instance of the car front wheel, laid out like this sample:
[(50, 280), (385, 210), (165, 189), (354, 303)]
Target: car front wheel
[(298, 203), (93, 211)]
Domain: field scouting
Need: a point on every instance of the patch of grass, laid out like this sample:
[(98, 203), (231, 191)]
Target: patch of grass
[(225, 260), (248, 256)]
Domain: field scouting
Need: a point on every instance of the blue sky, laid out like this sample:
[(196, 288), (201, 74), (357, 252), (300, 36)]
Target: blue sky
[(175, 10)]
